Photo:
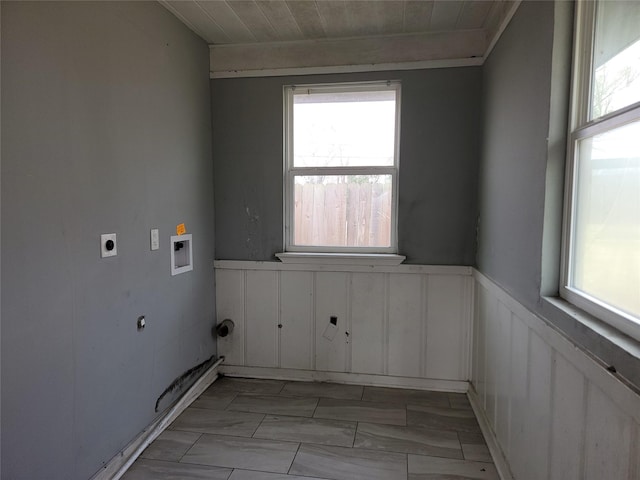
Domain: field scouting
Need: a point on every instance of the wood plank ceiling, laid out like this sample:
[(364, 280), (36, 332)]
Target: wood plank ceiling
[(235, 28), (250, 21)]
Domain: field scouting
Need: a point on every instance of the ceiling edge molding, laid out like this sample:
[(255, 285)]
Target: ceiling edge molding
[(392, 52), (508, 15), (380, 67)]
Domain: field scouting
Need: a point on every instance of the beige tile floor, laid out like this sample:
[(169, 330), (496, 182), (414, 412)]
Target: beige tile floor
[(244, 429)]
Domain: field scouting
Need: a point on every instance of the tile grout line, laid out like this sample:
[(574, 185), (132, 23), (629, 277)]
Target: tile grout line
[(316, 407), (239, 437), (264, 416), (460, 444), (322, 445), (294, 458), (355, 434), (407, 458), (243, 468), (192, 445)]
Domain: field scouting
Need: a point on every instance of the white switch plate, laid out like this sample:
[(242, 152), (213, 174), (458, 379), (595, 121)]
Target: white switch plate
[(155, 239), (103, 245)]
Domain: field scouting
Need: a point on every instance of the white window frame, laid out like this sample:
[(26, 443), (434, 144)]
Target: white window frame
[(290, 172), (582, 127)]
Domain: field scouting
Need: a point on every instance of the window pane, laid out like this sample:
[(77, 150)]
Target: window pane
[(343, 210), (616, 57), (344, 129), (606, 262)]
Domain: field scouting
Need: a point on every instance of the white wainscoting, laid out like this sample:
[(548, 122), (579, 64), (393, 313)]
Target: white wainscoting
[(554, 411), (406, 322)]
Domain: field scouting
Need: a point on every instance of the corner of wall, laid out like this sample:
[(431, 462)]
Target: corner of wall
[(557, 147)]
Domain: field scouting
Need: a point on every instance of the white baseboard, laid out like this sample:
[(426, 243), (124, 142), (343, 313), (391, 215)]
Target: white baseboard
[(118, 465), (348, 378), (499, 461)]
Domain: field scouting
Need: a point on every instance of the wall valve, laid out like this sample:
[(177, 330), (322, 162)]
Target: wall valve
[(224, 328)]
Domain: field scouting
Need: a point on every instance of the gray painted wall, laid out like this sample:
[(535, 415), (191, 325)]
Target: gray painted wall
[(525, 93), (516, 93), (106, 128), (439, 143)]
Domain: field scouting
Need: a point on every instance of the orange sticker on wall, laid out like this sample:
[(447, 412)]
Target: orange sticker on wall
[(180, 229)]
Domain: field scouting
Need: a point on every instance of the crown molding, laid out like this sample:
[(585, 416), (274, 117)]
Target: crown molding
[(392, 52)]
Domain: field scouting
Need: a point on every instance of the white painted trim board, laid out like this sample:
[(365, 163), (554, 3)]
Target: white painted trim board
[(119, 464), (356, 53), (500, 462), (365, 379), (378, 67), (314, 267), (503, 26)]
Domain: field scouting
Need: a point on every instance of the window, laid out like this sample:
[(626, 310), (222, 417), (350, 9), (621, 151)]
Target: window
[(341, 167), (601, 272)]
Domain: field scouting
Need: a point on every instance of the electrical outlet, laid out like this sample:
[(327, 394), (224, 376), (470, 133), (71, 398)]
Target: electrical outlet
[(108, 245)]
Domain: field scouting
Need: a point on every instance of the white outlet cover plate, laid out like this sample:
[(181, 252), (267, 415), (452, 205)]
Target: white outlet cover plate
[(103, 245)]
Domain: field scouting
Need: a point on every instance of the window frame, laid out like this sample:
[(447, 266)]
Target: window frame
[(581, 127), (290, 171)]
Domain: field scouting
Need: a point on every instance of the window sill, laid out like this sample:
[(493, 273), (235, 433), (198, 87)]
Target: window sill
[(341, 258), (597, 326)]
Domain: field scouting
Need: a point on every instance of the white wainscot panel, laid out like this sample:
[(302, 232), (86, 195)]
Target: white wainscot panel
[(537, 419), (549, 410), (567, 423), (230, 304), (408, 321), (477, 361), (608, 438), (261, 318), (296, 320), (503, 379), (368, 312), (482, 313), (331, 301), (448, 326), (492, 356), (519, 447), (405, 326)]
